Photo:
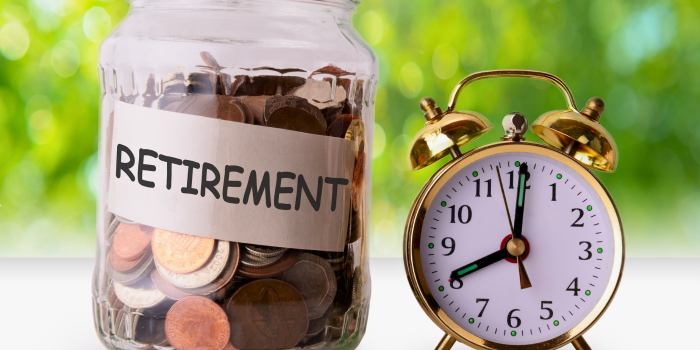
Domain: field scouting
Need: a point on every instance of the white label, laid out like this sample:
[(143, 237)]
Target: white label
[(230, 181)]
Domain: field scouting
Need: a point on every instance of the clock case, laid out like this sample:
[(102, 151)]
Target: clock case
[(573, 137)]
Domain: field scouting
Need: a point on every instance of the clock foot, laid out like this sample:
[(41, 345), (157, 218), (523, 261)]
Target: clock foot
[(446, 343), (580, 344)]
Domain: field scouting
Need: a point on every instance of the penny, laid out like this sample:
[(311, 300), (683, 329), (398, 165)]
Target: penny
[(285, 262), (264, 251), (130, 241), (212, 106), (224, 278), (121, 265), (332, 113), (143, 294), (166, 287), (197, 323), (269, 85), (340, 125), (294, 113), (315, 280), (179, 252), (134, 275), (202, 276), (267, 314), (256, 105)]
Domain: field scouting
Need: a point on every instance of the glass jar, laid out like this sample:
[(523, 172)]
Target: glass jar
[(235, 167)]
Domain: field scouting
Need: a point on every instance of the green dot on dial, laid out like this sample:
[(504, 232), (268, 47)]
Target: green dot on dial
[(600, 250), (513, 333), (471, 320), (558, 176), (556, 323), (441, 288), (443, 203), (517, 163), (589, 208), (588, 292), (475, 174), (431, 246)]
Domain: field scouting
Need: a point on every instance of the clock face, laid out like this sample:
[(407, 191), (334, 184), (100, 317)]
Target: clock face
[(569, 256)]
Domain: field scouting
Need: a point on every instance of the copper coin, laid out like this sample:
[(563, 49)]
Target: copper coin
[(165, 287), (270, 85), (179, 252), (286, 261), (131, 241), (358, 181), (314, 278), (340, 125), (294, 113), (197, 323), (267, 314), (224, 278), (121, 265)]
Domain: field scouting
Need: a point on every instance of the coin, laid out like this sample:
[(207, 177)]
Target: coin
[(285, 262), (197, 323), (358, 181), (294, 113), (315, 280), (270, 85), (166, 287), (179, 252), (267, 314), (264, 251), (121, 265), (251, 260), (134, 275), (256, 105), (224, 278), (131, 241), (112, 228), (140, 295), (340, 125), (202, 276)]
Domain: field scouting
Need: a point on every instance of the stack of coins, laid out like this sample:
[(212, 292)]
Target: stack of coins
[(163, 289)]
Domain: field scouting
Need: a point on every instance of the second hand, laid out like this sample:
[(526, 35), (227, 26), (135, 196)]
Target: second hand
[(515, 246)]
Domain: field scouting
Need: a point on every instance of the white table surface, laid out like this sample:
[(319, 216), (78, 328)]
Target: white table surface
[(45, 304)]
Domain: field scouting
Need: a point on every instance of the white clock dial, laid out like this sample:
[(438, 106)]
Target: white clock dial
[(569, 259)]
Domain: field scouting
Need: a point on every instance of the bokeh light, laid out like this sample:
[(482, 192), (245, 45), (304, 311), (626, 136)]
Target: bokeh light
[(640, 57)]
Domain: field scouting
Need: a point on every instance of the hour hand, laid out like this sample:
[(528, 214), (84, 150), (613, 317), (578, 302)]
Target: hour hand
[(479, 264)]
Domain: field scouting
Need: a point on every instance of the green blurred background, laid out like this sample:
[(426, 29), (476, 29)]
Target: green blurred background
[(642, 57)]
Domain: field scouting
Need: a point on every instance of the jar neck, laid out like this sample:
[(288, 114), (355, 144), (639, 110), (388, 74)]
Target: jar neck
[(348, 6)]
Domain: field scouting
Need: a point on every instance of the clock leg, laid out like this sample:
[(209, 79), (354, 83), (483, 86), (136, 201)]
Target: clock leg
[(446, 343), (580, 344)]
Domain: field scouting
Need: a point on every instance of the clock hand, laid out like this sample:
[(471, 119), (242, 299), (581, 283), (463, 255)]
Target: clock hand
[(523, 176), (516, 246), (479, 264)]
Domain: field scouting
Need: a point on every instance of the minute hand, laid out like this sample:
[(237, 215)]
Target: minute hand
[(523, 176), (479, 264)]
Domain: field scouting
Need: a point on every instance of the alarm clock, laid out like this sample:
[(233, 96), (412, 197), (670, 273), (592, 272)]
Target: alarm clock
[(515, 244)]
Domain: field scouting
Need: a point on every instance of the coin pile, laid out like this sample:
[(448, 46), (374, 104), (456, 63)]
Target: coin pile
[(162, 289)]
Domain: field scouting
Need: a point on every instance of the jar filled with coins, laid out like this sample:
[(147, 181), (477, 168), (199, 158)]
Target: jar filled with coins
[(235, 148)]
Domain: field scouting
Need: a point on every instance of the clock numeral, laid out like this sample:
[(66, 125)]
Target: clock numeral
[(587, 250), (478, 187), (575, 289), (554, 192), (460, 214), (511, 318), (580, 216), (451, 246), (486, 302), (511, 179), (452, 283), (551, 313)]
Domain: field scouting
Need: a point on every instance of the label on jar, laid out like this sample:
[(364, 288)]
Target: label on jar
[(231, 181)]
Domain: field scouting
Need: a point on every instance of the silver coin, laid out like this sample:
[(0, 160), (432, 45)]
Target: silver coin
[(255, 261), (205, 274), (264, 252), (140, 295), (314, 278), (112, 228)]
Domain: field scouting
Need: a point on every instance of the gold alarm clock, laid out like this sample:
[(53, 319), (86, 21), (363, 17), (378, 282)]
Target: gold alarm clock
[(515, 244)]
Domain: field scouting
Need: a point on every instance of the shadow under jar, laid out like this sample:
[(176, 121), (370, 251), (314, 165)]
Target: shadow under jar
[(235, 162)]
